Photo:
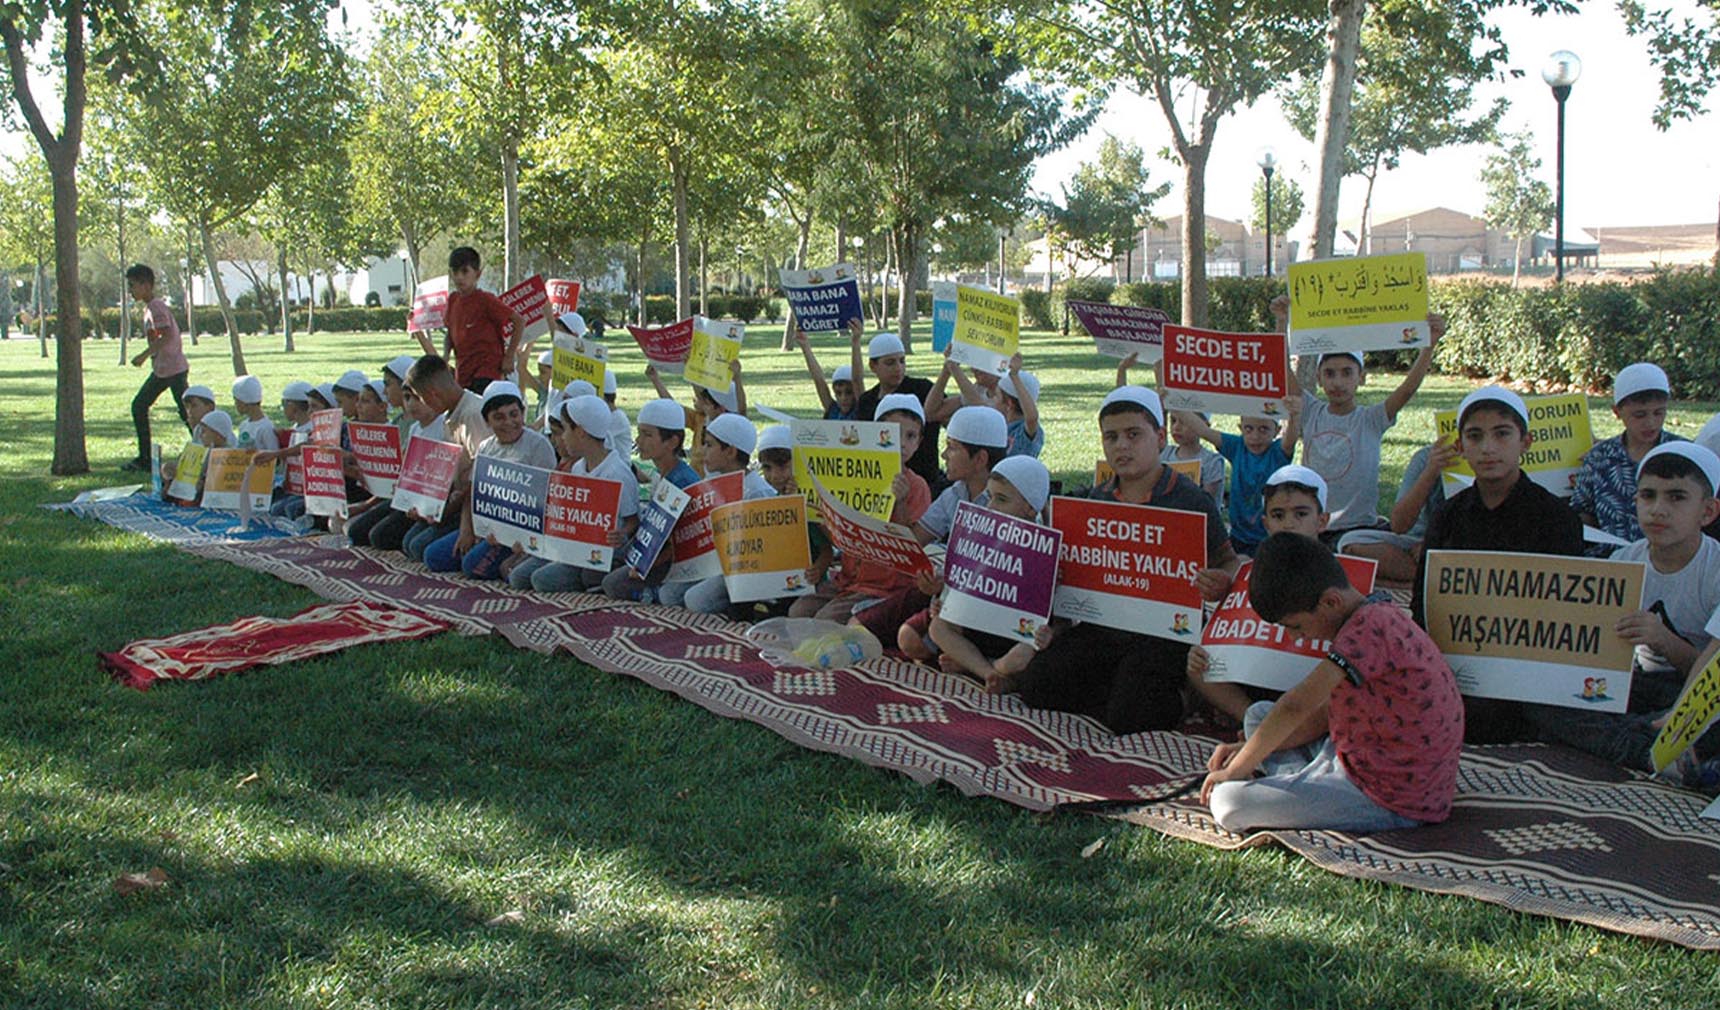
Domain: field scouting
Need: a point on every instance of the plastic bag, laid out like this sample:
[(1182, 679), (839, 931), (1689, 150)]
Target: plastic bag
[(813, 644)]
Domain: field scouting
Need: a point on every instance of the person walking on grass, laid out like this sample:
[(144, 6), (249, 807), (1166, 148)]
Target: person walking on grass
[(169, 370)]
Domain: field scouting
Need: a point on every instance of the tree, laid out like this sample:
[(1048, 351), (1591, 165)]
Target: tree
[(1207, 59), (27, 228), (1687, 51), (1286, 205), (1517, 203), (1418, 66), (1109, 200), (248, 95)]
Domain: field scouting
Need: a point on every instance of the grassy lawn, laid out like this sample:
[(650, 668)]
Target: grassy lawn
[(338, 832)]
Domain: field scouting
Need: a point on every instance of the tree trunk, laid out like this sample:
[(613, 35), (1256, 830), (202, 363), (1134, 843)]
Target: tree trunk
[(1365, 241), (890, 259), (1332, 131), (311, 306), (800, 251), (41, 312), (1517, 261), (124, 316), (510, 213), (409, 237), (190, 276), (1194, 293), (704, 273), (678, 180), (909, 257), (221, 298), (841, 242), (286, 299), (639, 278), (70, 454)]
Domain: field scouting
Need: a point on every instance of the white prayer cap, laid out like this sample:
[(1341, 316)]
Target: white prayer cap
[(351, 381), (380, 388), (733, 430), (297, 390), (844, 373), (883, 345), (547, 358), (589, 413), (1352, 355), (725, 397), (573, 322), (1701, 455), (1028, 476), (1029, 381), (1295, 473), (900, 401), (248, 389), (326, 391), (1141, 397), (609, 386), (399, 365), (221, 423), (663, 413), (200, 391), (1494, 394), (979, 425), (579, 387), (1642, 377), (496, 391), (777, 436)]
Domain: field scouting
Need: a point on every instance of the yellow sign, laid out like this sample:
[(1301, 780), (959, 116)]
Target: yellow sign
[(1559, 426), (763, 547), (1365, 303), (716, 345), (856, 461), (1534, 627), (231, 479), (988, 329), (188, 471), (579, 358), (1691, 717)]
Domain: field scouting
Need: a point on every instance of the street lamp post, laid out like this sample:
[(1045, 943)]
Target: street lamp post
[(1268, 161), (1562, 70)]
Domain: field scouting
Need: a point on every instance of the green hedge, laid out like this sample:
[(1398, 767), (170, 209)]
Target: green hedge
[(660, 309), (1579, 335), (347, 319), (1236, 304)]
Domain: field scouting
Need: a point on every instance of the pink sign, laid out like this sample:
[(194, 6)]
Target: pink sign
[(377, 448), (325, 426), (529, 298), (666, 347), (429, 306), (325, 484), (563, 296), (426, 476), (863, 538)]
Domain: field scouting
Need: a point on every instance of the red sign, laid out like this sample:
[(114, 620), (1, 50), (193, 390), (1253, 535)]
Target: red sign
[(295, 471), (1131, 567), (578, 513), (563, 296), (429, 306), (695, 548), (325, 427), (666, 347), (325, 483), (377, 448), (1225, 373), (529, 298), (1243, 648), (862, 538), (426, 476)]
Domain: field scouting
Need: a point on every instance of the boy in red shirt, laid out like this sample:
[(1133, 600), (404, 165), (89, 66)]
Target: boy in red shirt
[(1369, 741), (483, 333)]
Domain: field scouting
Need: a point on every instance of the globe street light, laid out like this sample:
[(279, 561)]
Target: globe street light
[(1562, 70), (1267, 162)]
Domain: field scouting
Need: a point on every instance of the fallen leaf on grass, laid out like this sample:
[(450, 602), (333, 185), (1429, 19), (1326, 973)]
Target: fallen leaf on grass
[(247, 780), (1091, 847), (509, 918), (131, 883)]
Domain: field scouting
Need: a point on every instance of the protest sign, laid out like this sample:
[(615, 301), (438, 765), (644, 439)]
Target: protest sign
[(325, 482), (657, 518), (665, 347), (426, 476), (230, 483), (1121, 330), (762, 548), (1561, 437), (1367, 303), (507, 502), (943, 315), (988, 329), (529, 298), (295, 480), (1225, 373), (578, 513), (429, 306), (563, 296), (187, 472), (377, 449), (579, 358), (695, 550), (1244, 649), (1189, 468), (1534, 627), (855, 460), (716, 344), (1697, 708), (823, 300), (999, 572), (862, 538), (1130, 566), (325, 426)]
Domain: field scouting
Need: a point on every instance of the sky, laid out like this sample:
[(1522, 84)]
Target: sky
[(1619, 169)]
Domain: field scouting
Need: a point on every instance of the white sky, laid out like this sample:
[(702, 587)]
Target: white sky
[(1619, 169)]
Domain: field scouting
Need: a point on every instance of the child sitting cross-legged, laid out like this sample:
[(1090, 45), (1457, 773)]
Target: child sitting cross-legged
[(1369, 741)]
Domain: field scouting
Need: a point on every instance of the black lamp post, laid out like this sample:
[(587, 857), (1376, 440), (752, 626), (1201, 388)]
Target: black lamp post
[(1268, 161), (1562, 70)]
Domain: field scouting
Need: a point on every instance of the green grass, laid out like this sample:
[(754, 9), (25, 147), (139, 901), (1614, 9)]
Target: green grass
[(406, 793)]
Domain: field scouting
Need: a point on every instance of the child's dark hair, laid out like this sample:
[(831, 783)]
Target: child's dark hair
[(428, 371), (678, 434), (1643, 398), (1672, 466), (1126, 406), (496, 403), (463, 257), (1497, 407), (776, 457), (1270, 490), (140, 273), (992, 453), (1291, 572)]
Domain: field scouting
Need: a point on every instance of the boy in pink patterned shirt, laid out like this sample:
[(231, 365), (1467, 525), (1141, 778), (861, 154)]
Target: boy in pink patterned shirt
[(1369, 741), (169, 370)]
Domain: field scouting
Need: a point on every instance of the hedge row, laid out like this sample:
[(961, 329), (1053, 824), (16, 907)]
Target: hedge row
[(660, 309), (347, 319)]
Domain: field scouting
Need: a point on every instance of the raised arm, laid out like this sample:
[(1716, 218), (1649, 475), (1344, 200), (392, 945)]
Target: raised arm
[(1292, 432), (1202, 430), (812, 367), (935, 399), (1411, 502), (1400, 396), (1123, 370), (657, 383), (740, 390), (1023, 396)]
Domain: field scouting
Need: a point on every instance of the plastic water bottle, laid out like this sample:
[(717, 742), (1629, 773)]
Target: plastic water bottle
[(833, 651)]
